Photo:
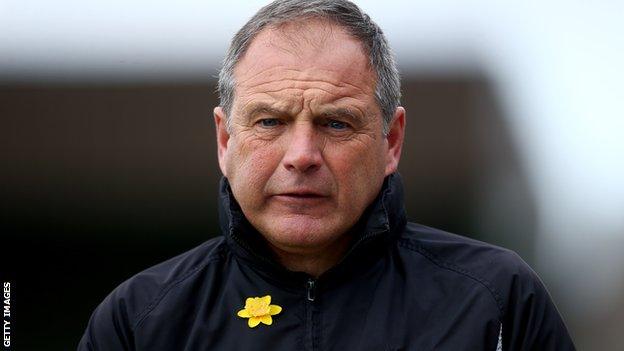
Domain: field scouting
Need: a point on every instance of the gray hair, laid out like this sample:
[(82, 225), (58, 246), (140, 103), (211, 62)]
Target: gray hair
[(342, 12)]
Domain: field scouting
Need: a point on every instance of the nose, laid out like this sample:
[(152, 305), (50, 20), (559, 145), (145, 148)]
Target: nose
[(303, 150)]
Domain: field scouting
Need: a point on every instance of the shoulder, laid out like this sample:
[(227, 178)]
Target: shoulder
[(528, 317), (496, 269), (135, 298), (144, 290), (177, 269)]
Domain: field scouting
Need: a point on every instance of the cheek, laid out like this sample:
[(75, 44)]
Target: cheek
[(359, 171), (360, 157), (249, 167)]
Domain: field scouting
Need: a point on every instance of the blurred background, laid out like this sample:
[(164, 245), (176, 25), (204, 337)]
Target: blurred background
[(108, 157)]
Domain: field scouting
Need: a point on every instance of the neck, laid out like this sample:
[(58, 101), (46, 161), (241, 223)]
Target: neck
[(313, 261)]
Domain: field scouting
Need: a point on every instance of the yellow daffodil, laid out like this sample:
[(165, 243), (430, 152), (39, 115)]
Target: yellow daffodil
[(259, 309)]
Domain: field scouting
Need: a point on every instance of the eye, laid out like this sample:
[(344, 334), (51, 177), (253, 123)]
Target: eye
[(269, 122), (337, 125)]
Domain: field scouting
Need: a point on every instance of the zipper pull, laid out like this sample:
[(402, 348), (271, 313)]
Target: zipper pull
[(311, 289)]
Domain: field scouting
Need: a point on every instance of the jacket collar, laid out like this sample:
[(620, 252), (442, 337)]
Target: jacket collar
[(380, 223)]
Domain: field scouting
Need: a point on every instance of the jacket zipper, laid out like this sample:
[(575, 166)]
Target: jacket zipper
[(311, 289), (311, 296)]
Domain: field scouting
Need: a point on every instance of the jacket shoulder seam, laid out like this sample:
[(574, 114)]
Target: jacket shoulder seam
[(167, 288), (455, 268)]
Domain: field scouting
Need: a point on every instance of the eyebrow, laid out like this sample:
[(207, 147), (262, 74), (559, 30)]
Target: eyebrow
[(259, 108), (341, 112)]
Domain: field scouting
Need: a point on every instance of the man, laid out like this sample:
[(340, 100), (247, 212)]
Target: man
[(316, 253)]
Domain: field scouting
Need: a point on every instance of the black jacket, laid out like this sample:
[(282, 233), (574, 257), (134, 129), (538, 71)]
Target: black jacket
[(401, 286)]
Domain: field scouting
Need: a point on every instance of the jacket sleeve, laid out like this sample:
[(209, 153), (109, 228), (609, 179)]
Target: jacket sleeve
[(109, 327), (531, 321)]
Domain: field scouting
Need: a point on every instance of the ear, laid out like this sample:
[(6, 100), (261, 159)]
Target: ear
[(394, 139), (223, 136)]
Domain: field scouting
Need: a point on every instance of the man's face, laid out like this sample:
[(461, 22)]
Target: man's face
[(305, 154)]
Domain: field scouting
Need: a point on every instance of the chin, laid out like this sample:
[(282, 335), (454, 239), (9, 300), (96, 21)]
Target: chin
[(301, 233)]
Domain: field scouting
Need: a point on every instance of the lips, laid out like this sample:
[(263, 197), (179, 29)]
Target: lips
[(300, 195)]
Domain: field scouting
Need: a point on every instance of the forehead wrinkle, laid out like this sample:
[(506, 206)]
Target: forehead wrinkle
[(323, 85), (306, 87), (302, 76), (276, 91), (302, 91)]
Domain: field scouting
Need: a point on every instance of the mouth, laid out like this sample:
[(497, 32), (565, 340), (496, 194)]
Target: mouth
[(301, 195), (301, 201)]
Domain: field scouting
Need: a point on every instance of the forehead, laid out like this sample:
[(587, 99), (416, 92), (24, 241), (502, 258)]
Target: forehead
[(311, 51)]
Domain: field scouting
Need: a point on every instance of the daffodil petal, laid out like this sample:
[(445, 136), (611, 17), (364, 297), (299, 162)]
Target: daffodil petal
[(274, 309), (266, 300), (253, 321), (249, 302), (266, 319), (243, 313)]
